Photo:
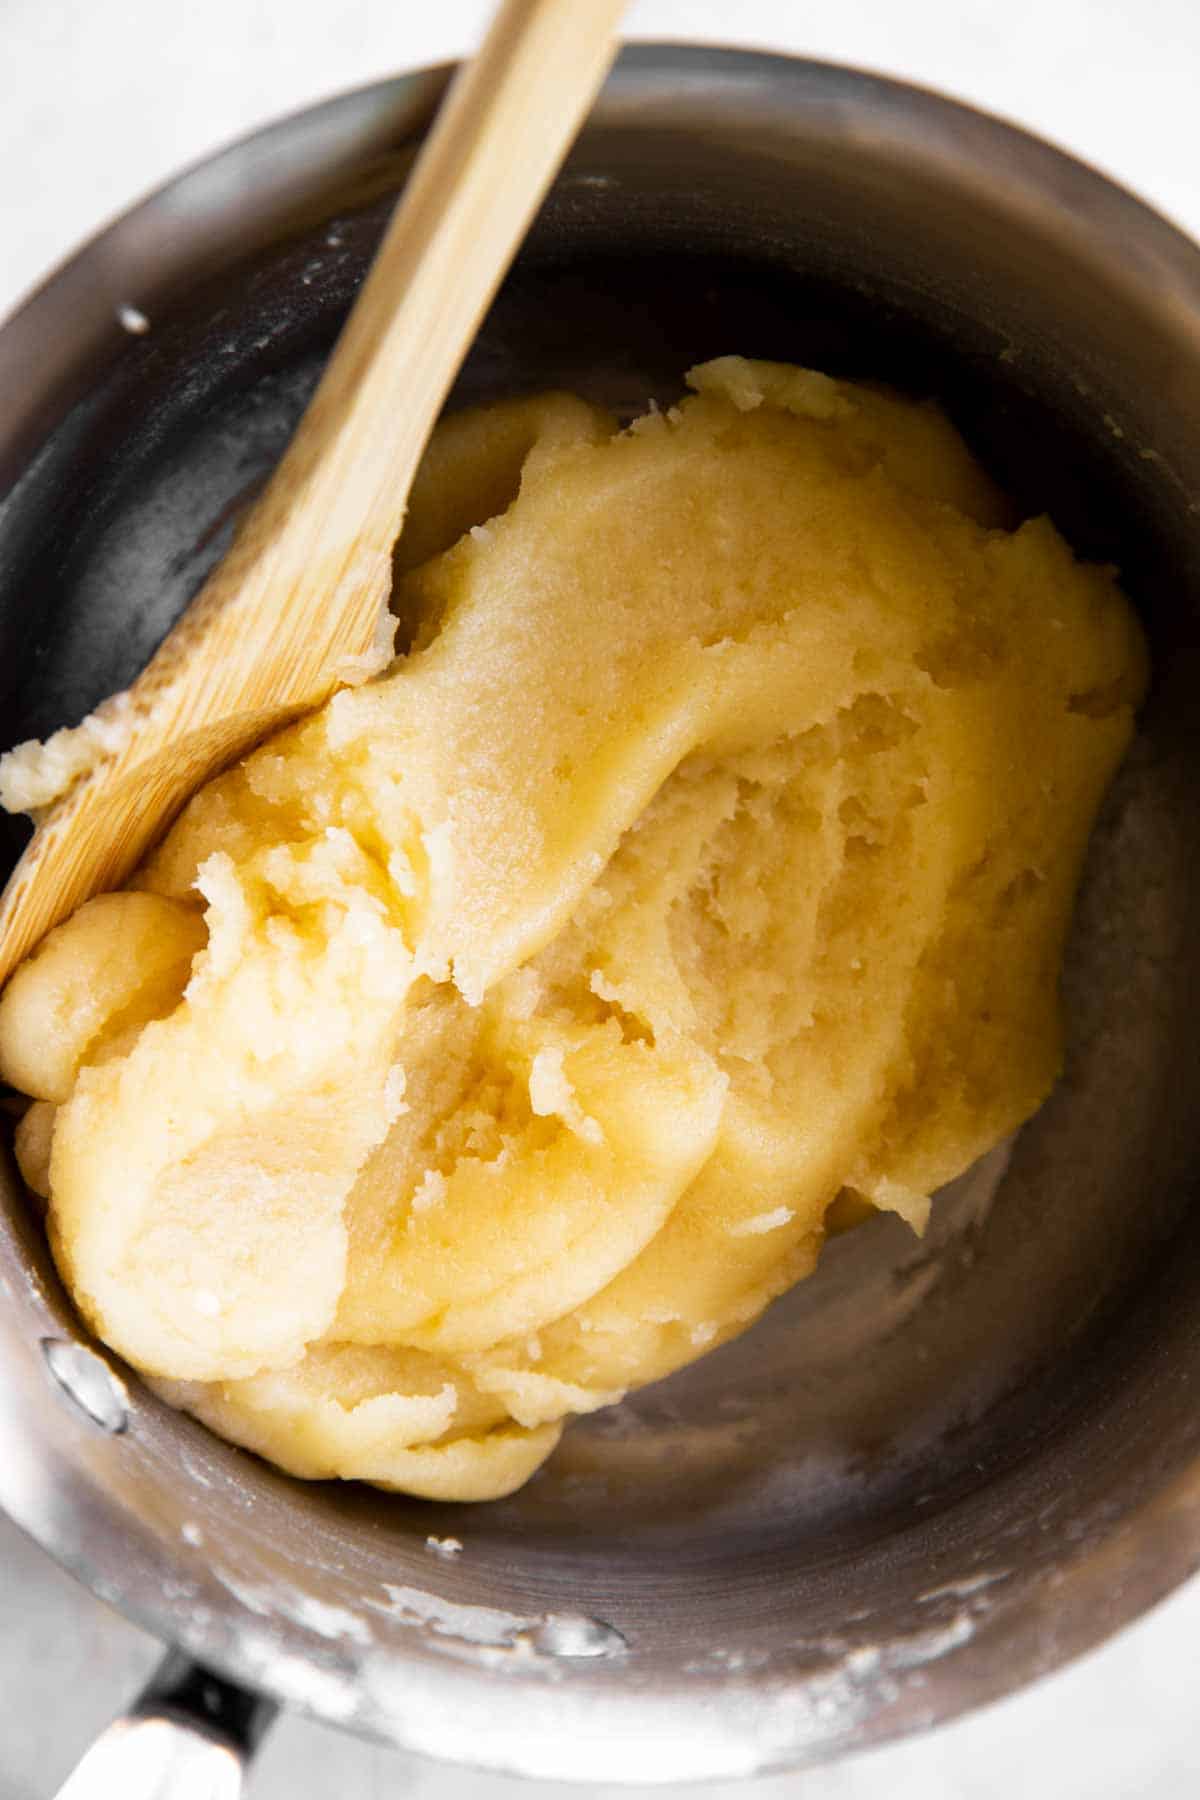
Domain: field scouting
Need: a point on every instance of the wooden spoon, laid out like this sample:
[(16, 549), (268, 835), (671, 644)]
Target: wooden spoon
[(301, 598)]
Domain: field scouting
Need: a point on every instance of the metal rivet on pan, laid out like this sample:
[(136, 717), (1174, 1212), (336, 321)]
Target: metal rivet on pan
[(87, 1380), (572, 1634)]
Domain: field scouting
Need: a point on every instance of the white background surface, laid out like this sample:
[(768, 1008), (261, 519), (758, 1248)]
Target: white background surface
[(102, 99)]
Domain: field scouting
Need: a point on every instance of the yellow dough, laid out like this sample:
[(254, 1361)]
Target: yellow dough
[(498, 1038)]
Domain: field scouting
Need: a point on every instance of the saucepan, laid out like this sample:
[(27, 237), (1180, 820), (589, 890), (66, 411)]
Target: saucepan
[(941, 1466)]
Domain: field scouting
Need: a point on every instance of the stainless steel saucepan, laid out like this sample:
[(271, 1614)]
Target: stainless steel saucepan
[(938, 1469)]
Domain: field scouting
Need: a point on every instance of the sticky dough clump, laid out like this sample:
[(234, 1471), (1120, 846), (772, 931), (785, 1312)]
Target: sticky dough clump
[(498, 1038)]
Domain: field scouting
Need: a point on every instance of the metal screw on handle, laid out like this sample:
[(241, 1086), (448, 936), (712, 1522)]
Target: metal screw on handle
[(189, 1735)]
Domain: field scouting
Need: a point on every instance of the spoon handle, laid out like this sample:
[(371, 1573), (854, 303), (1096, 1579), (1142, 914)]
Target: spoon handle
[(300, 600), (335, 506)]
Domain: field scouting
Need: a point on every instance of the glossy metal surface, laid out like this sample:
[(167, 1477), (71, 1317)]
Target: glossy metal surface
[(188, 1736), (937, 1469)]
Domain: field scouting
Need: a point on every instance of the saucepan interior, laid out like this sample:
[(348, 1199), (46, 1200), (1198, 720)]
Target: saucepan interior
[(940, 1466)]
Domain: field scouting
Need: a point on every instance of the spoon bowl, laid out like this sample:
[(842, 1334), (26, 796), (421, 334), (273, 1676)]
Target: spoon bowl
[(298, 604)]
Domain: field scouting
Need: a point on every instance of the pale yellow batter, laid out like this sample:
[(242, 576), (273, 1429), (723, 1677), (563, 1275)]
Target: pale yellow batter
[(498, 1038)]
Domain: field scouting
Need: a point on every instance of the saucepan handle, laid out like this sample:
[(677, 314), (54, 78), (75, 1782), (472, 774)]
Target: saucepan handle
[(189, 1735)]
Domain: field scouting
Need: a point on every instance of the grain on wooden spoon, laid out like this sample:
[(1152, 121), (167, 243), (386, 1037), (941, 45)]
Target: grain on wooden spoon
[(300, 601)]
